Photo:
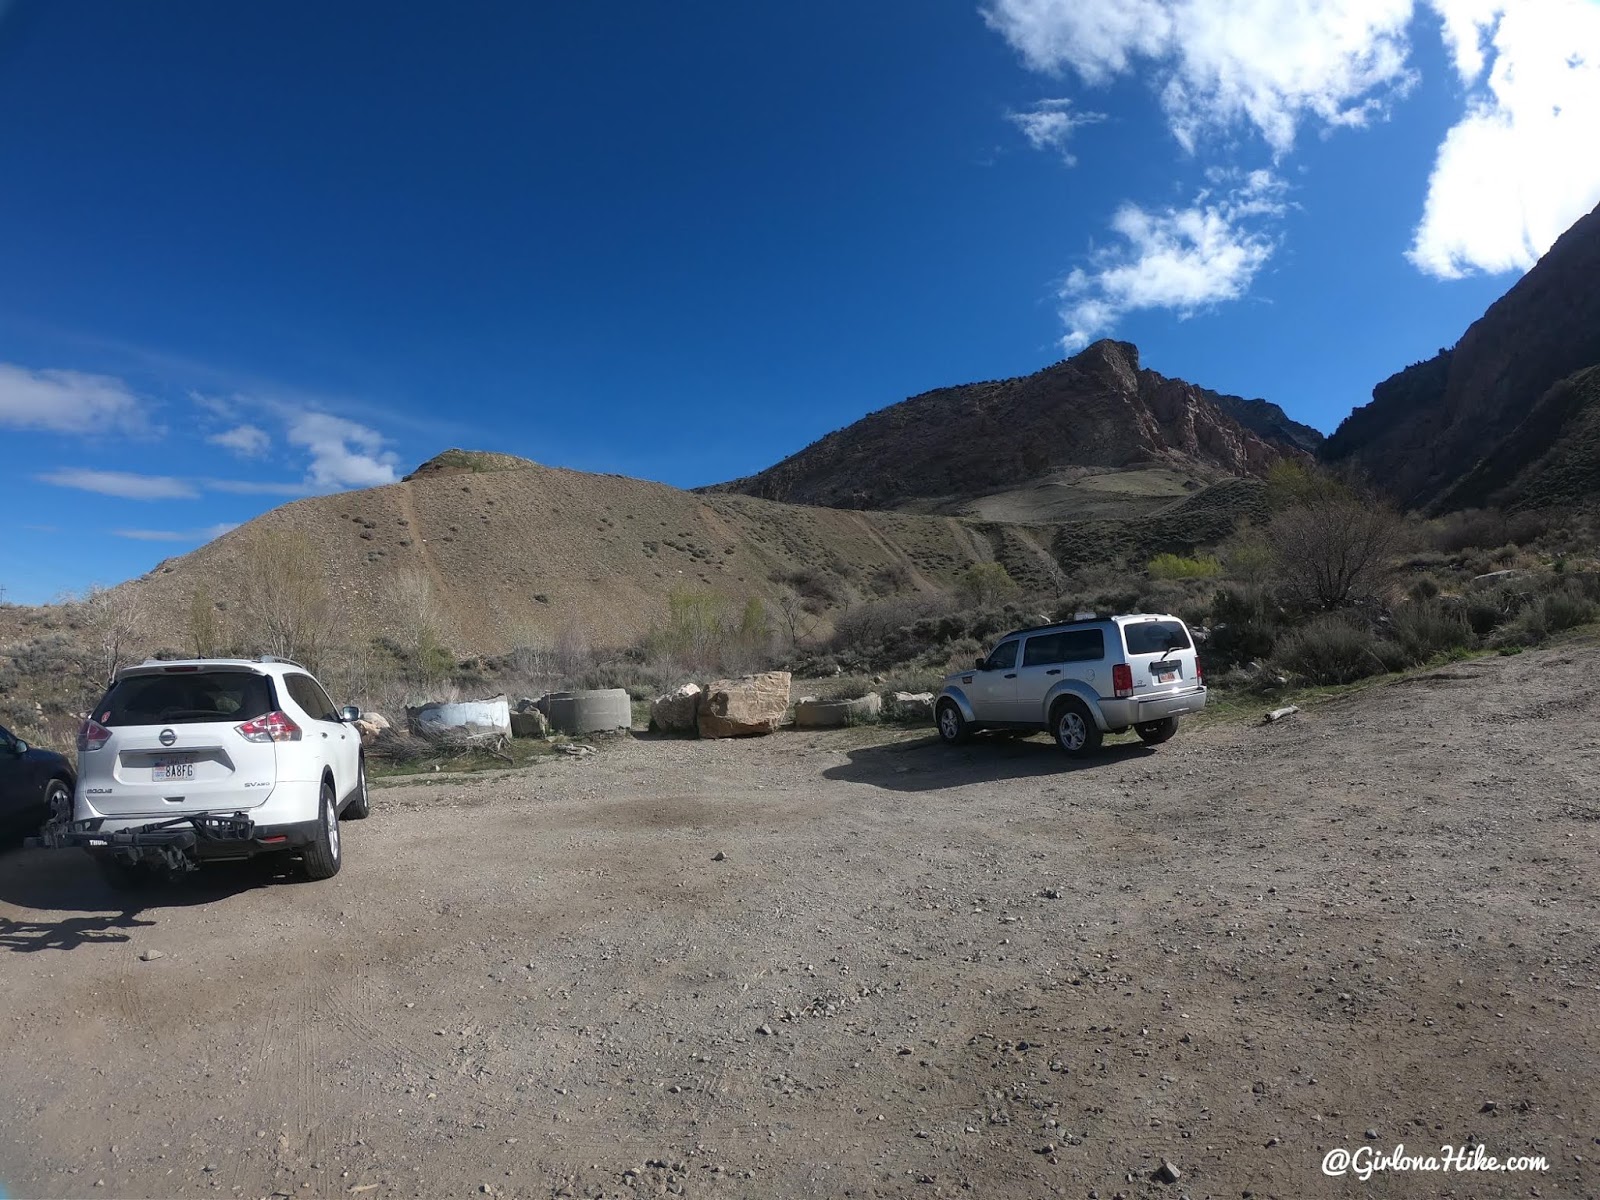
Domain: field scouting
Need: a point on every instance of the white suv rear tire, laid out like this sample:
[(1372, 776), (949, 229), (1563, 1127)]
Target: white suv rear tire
[(322, 855)]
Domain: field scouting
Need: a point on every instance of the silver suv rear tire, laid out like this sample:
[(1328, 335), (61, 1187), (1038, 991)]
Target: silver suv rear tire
[(1073, 727)]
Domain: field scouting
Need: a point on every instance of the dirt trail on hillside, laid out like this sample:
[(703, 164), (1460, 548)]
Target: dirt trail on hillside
[(917, 971)]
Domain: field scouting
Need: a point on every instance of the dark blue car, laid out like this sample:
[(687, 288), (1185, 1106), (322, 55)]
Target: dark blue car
[(35, 785)]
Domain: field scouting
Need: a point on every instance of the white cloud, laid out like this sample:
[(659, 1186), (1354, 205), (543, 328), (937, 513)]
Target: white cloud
[(247, 441), (1179, 259), (343, 453), (218, 406), (68, 402), (1050, 124), (1270, 64), (122, 484), (257, 487), (176, 535), (1522, 164)]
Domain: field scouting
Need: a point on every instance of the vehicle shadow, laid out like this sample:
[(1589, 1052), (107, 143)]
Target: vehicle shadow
[(25, 937), (926, 764), (68, 881)]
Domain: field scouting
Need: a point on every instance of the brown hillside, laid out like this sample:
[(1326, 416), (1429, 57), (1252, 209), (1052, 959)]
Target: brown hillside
[(1006, 447), (516, 556)]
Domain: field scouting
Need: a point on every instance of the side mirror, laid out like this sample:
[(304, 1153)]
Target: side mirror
[(19, 747), (982, 664), (349, 713)]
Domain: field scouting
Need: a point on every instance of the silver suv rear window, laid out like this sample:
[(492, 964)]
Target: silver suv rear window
[(1155, 637), (186, 699)]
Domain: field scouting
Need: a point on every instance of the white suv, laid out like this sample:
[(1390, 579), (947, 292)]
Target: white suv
[(193, 761), (1079, 680)]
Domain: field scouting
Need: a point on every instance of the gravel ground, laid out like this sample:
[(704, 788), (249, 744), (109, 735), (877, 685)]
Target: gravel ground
[(913, 970)]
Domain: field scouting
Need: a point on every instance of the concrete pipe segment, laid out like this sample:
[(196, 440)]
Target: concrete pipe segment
[(831, 714), (576, 713)]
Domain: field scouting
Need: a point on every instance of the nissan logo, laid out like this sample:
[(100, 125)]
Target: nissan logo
[(168, 737)]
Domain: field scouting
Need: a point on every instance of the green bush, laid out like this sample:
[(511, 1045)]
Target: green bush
[(1527, 628), (1334, 649), (1244, 624), (1567, 609), (1490, 608), (1426, 628), (1424, 589), (984, 584), (1176, 566)]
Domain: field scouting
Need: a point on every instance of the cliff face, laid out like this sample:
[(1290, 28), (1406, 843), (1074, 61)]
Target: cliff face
[(1097, 409), (1432, 426)]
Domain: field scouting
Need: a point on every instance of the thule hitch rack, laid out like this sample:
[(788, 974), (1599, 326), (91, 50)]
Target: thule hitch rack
[(171, 843)]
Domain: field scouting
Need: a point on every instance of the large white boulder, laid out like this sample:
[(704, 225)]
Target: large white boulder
[(745, 707)]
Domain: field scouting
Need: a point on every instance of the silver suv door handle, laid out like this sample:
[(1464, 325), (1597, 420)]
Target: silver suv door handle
[(1013, 675), (1053, 671)]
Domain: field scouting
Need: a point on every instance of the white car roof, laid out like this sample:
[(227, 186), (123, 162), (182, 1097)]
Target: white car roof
[(260, 666)]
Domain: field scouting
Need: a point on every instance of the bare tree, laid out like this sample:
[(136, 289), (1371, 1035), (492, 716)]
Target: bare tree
[(1333, 545), (285, 598), (419, 620), (796, 617), (116, 617), (205, 627), (574, 652)]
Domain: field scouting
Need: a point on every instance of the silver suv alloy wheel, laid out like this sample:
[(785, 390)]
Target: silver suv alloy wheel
[(949, 723), (1070, 730)]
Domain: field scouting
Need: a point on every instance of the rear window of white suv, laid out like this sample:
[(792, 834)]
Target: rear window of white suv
[(186, 699), (1155, 637)]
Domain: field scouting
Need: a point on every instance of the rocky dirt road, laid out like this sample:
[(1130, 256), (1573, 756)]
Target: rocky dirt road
[(915, 971)]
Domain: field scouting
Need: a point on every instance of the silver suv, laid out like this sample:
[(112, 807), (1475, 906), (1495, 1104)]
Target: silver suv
[(1080, 680)]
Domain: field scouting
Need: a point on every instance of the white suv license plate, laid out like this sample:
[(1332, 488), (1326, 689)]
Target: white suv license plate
[(1166, 674), (167, 772)]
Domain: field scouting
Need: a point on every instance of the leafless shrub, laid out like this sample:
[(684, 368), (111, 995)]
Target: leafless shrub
[(206, 637), (1333, 545), (402, 746), (115, 618), (574, 649), (283, 593)]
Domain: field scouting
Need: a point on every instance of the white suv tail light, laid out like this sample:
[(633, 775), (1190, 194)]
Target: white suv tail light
[(274, 727), (92, 735)]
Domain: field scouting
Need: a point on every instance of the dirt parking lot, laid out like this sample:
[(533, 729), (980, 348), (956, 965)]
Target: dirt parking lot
[(915, 971)]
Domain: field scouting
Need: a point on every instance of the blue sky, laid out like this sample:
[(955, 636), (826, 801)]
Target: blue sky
[(250, 252)]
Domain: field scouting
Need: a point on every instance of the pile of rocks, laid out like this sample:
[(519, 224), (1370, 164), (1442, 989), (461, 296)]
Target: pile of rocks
[(726, 708)]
